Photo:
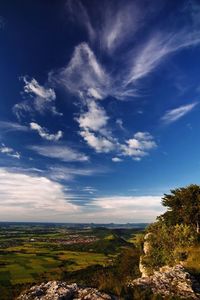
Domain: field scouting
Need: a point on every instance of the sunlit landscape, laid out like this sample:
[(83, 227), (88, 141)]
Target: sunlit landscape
[(99, 150)]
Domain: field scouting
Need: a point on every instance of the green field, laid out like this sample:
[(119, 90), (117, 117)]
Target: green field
[(21, 267), (30, 255)]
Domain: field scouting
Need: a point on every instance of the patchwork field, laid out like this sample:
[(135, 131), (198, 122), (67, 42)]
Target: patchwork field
[(31, 254), (19, 267)]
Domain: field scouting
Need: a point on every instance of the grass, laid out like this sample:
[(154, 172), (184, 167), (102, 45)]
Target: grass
[(109, 237), (83, 259), (22, 264)]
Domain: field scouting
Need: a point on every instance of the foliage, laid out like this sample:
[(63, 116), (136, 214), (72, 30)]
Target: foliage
[(168, 244), (139, 241), (176, 231), (193, 261), (183, 206)]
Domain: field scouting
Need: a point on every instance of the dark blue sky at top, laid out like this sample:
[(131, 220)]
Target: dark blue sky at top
[(99, 109)]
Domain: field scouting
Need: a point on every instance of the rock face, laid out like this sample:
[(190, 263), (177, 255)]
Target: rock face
[(146, 250), (173, 281), (56, 290), (147, 246)]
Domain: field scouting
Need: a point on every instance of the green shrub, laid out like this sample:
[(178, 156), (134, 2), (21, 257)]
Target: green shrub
[(168, 244)]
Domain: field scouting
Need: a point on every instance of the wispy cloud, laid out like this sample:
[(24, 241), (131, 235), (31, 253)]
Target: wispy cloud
[(63, 153), (79, 14), (85, 75), (92, 80), (83, 72), (12, 126), (89, 189), (9, 151), (120, 23), (70, 173), (175, 114), (43, 132), (157, 48), (41, 99)]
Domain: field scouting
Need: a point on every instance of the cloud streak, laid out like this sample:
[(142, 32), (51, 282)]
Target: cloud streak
[(120, 23), (12, 126), (157, 48), (60, 152), (175, 114), (79, 14), (70, 173), (9, 151)]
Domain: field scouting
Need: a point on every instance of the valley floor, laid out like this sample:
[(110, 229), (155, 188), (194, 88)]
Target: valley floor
[(91, 256)]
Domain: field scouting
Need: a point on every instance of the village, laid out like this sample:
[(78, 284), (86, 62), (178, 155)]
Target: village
[(69, 240)]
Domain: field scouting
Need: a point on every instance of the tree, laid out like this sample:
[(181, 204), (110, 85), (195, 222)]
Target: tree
[(183, 206)]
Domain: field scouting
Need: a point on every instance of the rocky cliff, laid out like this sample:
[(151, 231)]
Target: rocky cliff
[(56, 290), (168, 281), (173, 281), (146, 249)]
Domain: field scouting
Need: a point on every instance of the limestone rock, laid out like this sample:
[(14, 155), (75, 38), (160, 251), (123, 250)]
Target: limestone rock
[(143, 269), (147, 246), (146, 250), (173, 281), (57, 290)]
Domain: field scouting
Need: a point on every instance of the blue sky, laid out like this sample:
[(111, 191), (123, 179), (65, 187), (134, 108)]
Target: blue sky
[(99, 111)]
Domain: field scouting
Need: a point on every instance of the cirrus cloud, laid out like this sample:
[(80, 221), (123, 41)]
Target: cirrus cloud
[(60, 152), (175, 114), (9, 151)]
